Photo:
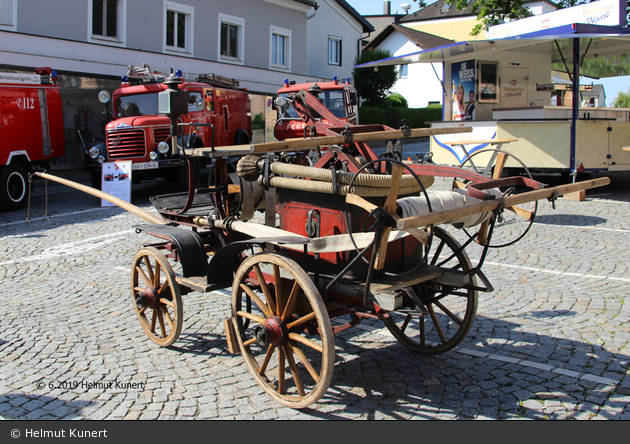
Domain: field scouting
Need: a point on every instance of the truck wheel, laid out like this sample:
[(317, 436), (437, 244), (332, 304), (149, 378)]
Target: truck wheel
[(241, 138), (13, 187)]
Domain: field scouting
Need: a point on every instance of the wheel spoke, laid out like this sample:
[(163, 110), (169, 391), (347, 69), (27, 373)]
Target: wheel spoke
[(307, 342), (251, 317), (167, 302), (294, 371), (436, 323), (450, 314), (291, 301), (153, 320), (265, 288), (167, 316), (250, 342), (158, 311), (305, 362), (147, 262), (265, 363), (405, 323), (281, 370), (438, 251), (302, 320), (156, 278), (263, 307), (278, 285), (147, 280), (163, 288)]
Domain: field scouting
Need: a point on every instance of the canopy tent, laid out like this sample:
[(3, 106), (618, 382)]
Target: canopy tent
[(578, 49), (606, 49)]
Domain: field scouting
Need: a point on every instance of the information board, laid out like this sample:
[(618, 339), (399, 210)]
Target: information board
[(116, 180)]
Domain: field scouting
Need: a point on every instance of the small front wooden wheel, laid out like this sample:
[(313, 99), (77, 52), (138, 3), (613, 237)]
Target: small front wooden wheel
[(288, 344), (156, 296)]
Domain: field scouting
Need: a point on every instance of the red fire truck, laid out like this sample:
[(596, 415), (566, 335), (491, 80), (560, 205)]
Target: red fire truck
[(218, 114), (339, 98), (31, 131)]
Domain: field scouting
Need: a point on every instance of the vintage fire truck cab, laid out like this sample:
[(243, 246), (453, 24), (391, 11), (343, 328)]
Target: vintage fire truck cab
[(339, 98), (218, 114), (31, 131)]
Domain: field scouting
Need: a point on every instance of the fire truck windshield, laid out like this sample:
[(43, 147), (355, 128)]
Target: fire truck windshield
[(137, 105), (332, 99)]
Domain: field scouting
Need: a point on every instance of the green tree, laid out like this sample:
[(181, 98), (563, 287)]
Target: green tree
[(622, 100), (373, 85), (494, 12)]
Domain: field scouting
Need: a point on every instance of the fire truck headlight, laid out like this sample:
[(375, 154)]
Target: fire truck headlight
[(94, 152), (163, 147), (153, 155), (100, 159)]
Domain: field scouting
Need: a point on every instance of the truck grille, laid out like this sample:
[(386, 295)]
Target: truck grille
[(161, 134), (126, 144)]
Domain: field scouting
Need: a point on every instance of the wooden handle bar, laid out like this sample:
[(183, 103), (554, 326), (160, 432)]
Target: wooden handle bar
[(108, 197), (491, 205), (299, 144)]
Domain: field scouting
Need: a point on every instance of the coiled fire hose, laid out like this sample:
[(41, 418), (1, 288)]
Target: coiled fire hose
[(368, 185)]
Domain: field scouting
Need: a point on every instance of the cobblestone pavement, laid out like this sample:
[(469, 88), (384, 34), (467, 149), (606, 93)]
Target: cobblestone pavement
[(551, 342)]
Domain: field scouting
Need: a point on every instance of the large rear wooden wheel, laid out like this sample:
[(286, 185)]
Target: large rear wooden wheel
[(156, 296), (436, 317), (288, 343), (511, 225)]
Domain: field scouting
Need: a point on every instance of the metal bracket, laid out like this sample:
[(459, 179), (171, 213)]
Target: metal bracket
[(347, 134)]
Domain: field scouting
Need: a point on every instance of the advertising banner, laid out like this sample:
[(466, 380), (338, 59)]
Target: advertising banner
[(463, 75)]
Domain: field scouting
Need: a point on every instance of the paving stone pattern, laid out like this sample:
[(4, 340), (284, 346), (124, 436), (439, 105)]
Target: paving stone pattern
[(551, 342)]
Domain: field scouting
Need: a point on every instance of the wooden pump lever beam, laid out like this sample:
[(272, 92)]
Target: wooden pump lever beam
[(491, 205)]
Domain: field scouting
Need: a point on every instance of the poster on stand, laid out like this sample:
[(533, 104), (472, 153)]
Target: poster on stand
[(116, 180), (463, 76)]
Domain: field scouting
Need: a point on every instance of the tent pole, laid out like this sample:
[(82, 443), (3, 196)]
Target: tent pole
[(576, 104)]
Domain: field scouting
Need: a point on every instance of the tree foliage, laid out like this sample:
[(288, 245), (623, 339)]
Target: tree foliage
[(494, 12), (373, 85), (396, 100), (622, 100)]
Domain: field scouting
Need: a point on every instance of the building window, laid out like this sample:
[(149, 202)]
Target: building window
[(334, 51), (8, 14), (403, 71), (280, 48), (107, 21), (178, 28), (105, 18), (231, 38)]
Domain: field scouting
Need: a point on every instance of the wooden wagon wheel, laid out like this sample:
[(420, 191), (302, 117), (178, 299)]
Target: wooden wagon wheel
[(441, 316), (227, 197), (156, 296), (506, 228), (288, 346)]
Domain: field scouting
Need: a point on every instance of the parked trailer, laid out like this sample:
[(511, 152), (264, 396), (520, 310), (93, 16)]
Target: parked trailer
[(31, 131), (359, 237)]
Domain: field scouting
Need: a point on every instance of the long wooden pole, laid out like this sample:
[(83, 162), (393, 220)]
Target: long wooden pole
[(312, 142), (108, 197), (491, 205)]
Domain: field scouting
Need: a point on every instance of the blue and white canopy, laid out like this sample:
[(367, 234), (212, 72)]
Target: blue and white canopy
[(610, 44)]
